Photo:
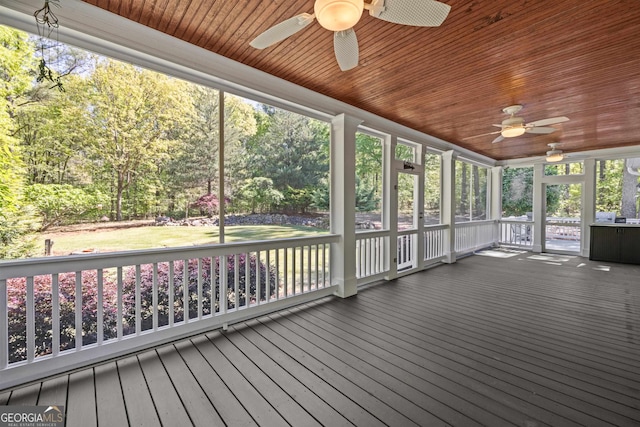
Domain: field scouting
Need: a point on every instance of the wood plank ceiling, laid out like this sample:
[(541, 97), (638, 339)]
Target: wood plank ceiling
[(574, 58)]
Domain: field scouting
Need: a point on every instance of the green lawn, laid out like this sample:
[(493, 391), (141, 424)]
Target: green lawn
[(159, 237)]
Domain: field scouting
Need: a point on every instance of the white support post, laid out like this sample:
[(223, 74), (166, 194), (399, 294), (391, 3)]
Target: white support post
[(418, 214), (390, 204), (448, 195), (588, 205), (343, 203), (539, 207), (494, 200)]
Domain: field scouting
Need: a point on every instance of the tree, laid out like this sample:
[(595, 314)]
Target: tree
[(195, 164), (258, 194), (630, 193), (16, 218), (131, 112), (517, 191), (64, 204), (290, 149)]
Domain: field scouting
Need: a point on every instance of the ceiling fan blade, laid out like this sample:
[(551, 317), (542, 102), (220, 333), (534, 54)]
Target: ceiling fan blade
[(345, 44), (500, 138), (541, 130), (420, 13), (482, 134), (550, 121), (281, 31)]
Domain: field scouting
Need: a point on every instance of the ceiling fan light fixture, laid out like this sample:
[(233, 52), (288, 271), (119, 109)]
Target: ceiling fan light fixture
[(512, 132), (554, 155), (338, 15)]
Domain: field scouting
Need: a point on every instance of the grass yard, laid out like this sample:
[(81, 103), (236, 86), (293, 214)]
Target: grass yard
[(158, 237)]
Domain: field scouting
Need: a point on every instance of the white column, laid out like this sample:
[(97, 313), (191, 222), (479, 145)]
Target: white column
[(390, 204), (343, 203), (539, 207), (448, 209), (418, 209), (588, 205), (494, 199)]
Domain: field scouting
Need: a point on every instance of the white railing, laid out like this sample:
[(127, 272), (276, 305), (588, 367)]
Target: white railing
[(516, 233), (61, 313), (434, 238), (371, 254), (406, 249), (562, 229), (474, 235)]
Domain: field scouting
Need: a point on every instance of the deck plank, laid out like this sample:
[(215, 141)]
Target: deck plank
[(223, 400), (292, 385), (25, 396), (81, 404), (54, 391), (195, 400), (167, 401), (282, 402), (111, 410), (250, 398), (317, 384), (137, 399)]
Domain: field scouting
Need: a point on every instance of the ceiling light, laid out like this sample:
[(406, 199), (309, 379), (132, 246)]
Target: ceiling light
[(554, 155), (512, 127), (338, 15), (511, 132)]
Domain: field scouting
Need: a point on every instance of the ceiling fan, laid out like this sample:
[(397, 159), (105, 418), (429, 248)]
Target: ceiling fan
[(515, 126), (554, 154), (341, 15)]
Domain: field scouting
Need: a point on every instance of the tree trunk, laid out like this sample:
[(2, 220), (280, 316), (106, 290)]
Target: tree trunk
[(477, 208), (629, 193), (464, 190), (119, 192)]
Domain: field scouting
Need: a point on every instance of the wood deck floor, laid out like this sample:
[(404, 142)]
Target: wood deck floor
[(516, 339)]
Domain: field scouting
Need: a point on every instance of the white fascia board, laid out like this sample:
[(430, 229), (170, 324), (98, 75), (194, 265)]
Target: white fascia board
[(97, 30), (576, 156)]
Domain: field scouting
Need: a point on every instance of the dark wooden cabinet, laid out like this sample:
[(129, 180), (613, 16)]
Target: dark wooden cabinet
[(615, 244)]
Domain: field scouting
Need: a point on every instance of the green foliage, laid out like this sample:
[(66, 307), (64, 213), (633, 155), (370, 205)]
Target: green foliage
[(297, 200), (366, 198), (16, 232), (64, 204), (517, 191), (258, 195)]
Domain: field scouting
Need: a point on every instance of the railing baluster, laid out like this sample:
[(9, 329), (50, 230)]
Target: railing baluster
[(78, 323), (293, 269), (31, 320), (154, 298), (171, 290), (258, 279), (268, 276), (120, 303), (4, 326), (186, 294), (301, 269), (199, 305), (236, 281), (100, 314), (309, 267), (138, 301), (277, 270), (55, 315), (222, 273)]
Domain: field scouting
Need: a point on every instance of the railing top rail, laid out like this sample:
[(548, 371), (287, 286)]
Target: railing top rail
[(367, 234), (474, 223), (436, 227), (515, 221), (64, 264)]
